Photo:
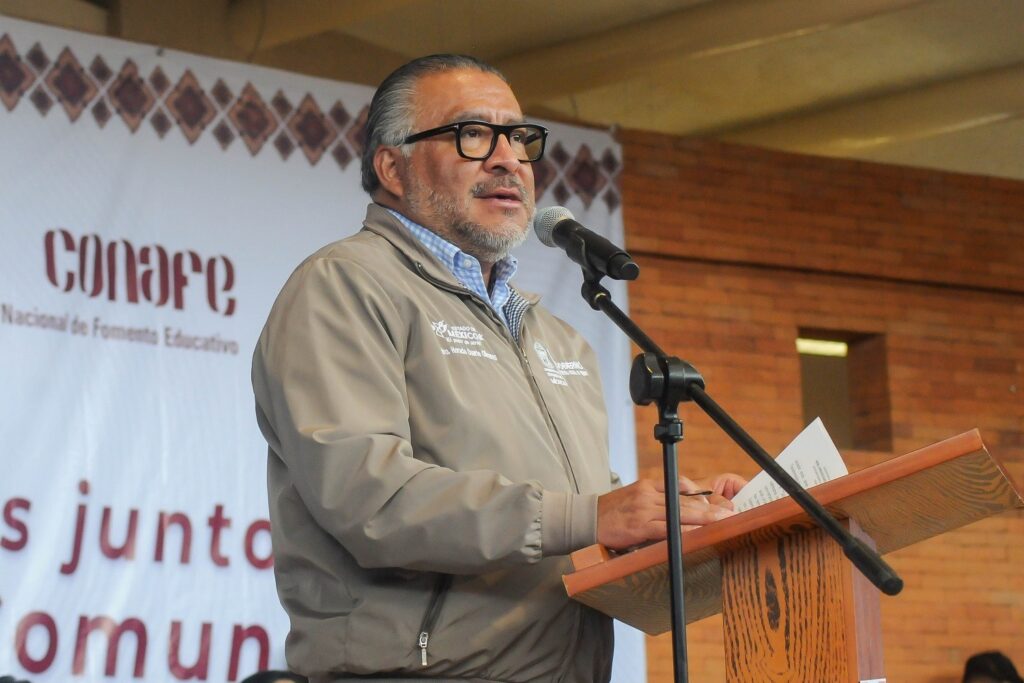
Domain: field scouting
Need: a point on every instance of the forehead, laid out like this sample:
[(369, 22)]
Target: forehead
[(448, 96)]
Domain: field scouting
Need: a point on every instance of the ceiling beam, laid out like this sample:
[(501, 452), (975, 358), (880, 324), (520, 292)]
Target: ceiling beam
[(190, 25), (76, 15), (706, 29), (946, 107), (262, 24), (334, 56)]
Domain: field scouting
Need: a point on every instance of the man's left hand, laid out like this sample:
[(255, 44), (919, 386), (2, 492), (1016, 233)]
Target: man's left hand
[(726, 485)]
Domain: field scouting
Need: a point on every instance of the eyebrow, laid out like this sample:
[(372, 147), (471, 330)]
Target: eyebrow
[(481, 116)]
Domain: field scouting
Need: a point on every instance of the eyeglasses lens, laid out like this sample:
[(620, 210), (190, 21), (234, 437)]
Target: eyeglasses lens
[(476, 141)]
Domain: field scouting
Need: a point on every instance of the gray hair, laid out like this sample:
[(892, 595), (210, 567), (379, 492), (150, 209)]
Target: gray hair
[(391, 114)]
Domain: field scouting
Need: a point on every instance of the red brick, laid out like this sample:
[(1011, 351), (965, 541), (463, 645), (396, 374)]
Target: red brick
[(740, 248)]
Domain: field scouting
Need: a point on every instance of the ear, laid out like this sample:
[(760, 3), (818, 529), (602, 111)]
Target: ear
[(387, 163)]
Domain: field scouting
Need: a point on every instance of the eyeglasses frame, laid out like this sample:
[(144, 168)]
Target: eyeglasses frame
[(498, 129)]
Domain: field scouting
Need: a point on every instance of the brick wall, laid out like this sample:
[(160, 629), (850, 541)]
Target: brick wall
[(740, 248)]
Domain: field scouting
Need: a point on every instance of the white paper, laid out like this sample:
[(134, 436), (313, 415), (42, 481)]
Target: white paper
[(811, 458)]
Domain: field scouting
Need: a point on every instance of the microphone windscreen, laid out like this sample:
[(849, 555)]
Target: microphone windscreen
[(545, 220)]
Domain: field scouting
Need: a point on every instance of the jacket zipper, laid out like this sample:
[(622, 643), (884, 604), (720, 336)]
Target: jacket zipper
[(444, 582), (524, 360), (547, 412)]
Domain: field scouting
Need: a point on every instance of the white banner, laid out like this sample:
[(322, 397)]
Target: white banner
[(153, 203)]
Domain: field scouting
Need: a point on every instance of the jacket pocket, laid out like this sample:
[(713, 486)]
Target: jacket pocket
[(444, 582)]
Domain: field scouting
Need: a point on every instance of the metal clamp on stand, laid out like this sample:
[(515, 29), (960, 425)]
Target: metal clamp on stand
[(667, 381)]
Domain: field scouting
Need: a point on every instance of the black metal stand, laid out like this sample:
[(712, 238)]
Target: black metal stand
[(667, 380)]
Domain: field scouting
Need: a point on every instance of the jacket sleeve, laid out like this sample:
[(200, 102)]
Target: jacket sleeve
[(328, 374)]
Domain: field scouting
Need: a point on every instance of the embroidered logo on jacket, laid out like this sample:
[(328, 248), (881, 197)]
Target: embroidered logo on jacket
[(557, 371), (463, 340)]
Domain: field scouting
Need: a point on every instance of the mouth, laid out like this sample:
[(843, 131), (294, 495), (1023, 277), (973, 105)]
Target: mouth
[(502, 196)]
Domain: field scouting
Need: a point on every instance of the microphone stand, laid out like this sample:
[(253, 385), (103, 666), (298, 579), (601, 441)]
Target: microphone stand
[(657, 377)]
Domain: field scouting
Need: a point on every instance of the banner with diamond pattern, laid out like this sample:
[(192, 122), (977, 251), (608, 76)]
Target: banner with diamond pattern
[(153, 203)]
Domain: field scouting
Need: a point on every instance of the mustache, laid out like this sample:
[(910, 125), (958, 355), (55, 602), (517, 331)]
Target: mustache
[(509, 183)]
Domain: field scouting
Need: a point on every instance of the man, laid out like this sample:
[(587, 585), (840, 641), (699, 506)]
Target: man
[(427, 479)]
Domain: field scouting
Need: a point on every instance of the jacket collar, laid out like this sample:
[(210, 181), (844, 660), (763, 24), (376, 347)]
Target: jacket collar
[(380, 221)]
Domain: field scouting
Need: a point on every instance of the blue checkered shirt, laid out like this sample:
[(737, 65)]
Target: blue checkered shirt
[(506, 302)]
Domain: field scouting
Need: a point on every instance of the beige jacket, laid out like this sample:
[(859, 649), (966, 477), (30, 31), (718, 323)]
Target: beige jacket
[(427, 474)]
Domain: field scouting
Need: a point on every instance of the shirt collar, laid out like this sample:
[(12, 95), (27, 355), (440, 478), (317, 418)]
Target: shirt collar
[(458, 262)]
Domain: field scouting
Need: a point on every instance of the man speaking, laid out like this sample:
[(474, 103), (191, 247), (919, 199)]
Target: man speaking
[(427, 476)]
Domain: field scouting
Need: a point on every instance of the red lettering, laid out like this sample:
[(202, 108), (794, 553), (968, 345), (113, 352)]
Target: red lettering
[(180, 278), (211, 284), (164, 521), (27, 623), (114, 631), (84, 263), (217, 522), (51, 258), (15, 524), (76, 541), (126, 549), (131, 282), (163, 271), (197, 670), (250, 553), (119, 270), (238, 638)]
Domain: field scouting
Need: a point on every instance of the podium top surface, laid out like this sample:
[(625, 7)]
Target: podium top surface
[(899, 502)]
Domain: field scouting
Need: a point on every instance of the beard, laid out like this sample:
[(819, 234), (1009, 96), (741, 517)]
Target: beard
[(449, 218)]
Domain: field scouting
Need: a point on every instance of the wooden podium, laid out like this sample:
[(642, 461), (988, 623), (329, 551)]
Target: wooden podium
[(794, 608)]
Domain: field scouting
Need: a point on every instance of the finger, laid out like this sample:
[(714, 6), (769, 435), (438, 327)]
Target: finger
[(721, 501), (687, 484), (703, 514), (732, 485)]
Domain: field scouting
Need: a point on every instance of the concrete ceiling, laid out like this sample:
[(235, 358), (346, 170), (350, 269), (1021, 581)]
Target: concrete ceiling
[(935, 83)]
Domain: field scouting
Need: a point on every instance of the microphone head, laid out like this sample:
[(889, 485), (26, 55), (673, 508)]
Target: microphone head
[(545, 220)]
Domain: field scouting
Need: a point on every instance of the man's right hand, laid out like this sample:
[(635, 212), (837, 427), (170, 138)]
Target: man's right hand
[(635, 514)]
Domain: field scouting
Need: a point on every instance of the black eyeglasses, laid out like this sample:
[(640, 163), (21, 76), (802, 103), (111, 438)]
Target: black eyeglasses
[(476, 140)]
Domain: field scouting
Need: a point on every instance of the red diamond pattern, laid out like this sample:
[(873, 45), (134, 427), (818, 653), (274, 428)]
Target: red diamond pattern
[(284, 145), (340, 115), (610, 163), (15, 77), (160, 122), (37, 58), (253, 119), (585, 177), (130, 96), (342, 155), (281, 105), (544, 173), (190, 107), (611, 199), (558, 155), (71, 85), (158, 79), (222, 93), (356, 134), (561, 193), (313, 131), (101, 112), (193, 110), (42, 101), (222, 132), (99, 70)]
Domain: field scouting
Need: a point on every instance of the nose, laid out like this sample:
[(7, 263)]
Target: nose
[(503, 158)]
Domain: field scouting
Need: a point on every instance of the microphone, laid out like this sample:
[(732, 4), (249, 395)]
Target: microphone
[(556, 227)]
